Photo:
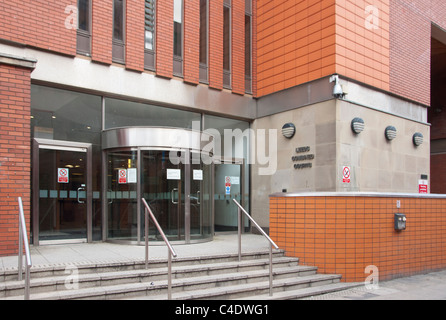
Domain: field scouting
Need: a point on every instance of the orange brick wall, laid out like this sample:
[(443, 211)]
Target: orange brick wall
[(15, 153), (295, 43), (345, 234), (362, 52), (301, 41)]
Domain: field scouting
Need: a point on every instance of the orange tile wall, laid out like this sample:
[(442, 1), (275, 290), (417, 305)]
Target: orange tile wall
[(362, 52), (344, 235), (301, 41)]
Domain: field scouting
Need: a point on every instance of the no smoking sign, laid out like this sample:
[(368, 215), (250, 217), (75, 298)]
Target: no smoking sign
[(62, 175), (346, 174)]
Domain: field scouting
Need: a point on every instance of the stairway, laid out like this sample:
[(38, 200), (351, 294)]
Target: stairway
[(220, 277)]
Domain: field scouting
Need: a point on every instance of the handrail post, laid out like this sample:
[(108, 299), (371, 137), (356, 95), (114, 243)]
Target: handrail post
[(271, 242), (239, 218), (23, 241), (270, 270), (20, 262), (171, 252), (146, 235), (169, 275)]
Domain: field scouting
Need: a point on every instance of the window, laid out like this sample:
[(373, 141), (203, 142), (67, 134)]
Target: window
[(248, 44), (84, 27), (178, 37), (149, 32), (227, 44), (204, 40), (118, 31)]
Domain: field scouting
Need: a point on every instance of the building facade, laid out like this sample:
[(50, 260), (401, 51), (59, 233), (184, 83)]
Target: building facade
[(183, 103)]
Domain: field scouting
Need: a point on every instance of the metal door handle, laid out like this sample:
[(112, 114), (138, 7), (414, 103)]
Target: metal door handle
[(82, 188), (198, 197), (172, 195)]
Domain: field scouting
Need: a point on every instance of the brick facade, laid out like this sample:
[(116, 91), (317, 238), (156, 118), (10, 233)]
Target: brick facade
[(345, 235), (28, 24), (102, 30), (15, 152), (410, 40)]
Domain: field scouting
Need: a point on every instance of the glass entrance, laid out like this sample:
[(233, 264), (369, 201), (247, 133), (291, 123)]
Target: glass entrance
[(229, 179), (176, 185), (61, 204)]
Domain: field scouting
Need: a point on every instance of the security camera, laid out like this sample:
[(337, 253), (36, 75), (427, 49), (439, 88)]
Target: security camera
[(338, 93)]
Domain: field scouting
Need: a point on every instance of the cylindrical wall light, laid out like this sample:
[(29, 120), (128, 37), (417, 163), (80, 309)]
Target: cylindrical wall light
[(288, 130), (358, 125), (417, 139), (390, 133)]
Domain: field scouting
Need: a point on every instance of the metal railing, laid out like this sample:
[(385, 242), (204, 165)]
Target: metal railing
[(23, 239), (271, 242), (170, 252)]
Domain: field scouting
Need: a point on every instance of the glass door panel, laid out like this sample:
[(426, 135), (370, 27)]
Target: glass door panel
[(228, 179), (62, 194), (122, 195), (163, 188), (200, 200)]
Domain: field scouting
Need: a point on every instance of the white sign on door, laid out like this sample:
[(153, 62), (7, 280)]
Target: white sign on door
[(173, 174)]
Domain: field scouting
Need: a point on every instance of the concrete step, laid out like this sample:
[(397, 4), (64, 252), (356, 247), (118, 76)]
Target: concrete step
[(199, 288), (206, 278), (151, 275), (107, 266), (306, 293), (250, 290)]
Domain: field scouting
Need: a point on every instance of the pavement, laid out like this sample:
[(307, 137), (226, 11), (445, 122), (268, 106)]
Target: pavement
[(430, 286)]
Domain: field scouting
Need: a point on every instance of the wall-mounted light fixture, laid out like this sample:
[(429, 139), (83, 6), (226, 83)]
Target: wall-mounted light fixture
[(358, 125), (417, 139), (390, 133), (288, 130)]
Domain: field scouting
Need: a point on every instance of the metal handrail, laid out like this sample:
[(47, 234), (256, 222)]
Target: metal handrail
[(271, 242), (170, 252), (23, 238)]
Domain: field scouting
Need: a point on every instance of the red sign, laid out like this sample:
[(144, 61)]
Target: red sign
[(122, 176), (62, 175), (346, 173), (423, 186)]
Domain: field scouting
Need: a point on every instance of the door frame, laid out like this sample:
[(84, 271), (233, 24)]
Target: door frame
[(241, 163), (38, 144)]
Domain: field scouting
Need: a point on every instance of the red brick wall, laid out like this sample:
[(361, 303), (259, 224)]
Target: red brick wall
[(15, 153), (102, 31), (36, 25), (410, 40), (216, 44), (344, 235), (134, 40), (238, 47), (164, 38), (191, 41)]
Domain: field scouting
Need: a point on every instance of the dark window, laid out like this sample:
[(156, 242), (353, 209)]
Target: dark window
[(84, 27), (204, 40), (227, 44), (118, 31), (149, 35), (248, 44), (178, 37)]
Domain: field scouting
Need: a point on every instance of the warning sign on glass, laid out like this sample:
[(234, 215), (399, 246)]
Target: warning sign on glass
[(63, 175), (122, 176)]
